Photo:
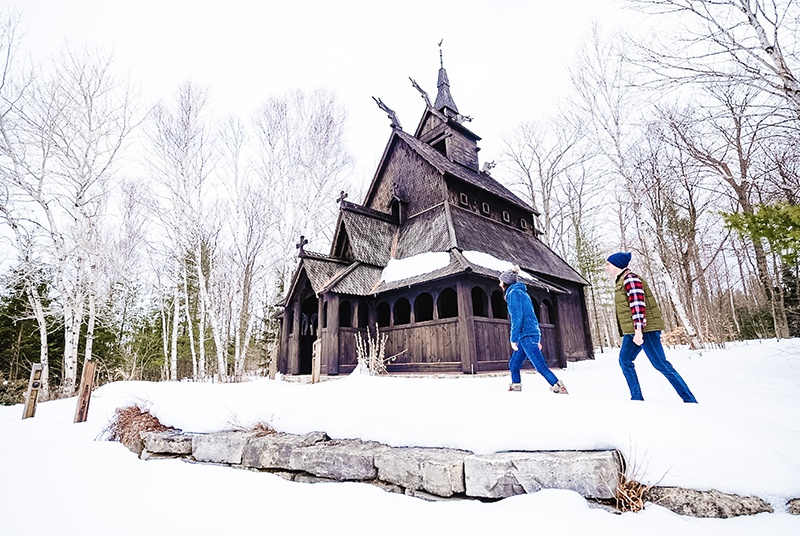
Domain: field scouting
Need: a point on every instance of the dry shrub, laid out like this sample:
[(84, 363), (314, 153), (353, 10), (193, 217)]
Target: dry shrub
[(630, 495), (263, 429), (676, 337), (127, 425)]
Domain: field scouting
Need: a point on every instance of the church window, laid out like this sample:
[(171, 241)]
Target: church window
[(447, 304), (423, 307), (506, 216), (402, 312), (480, 303), (463, 199), (523, 223), (384, 314), (485, 208), (363, 314), (345, 314), (499, 309)]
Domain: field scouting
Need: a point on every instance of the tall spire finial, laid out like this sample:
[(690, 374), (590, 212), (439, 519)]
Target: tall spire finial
[(441, 61)]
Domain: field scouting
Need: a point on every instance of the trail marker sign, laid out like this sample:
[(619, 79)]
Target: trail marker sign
[(32, 396)]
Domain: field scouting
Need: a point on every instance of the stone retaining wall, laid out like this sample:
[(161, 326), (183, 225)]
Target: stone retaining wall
[(433, 473), (441, 473)]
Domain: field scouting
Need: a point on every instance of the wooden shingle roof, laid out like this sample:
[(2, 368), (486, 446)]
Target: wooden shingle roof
[(370, 233), (478, 233), (475, 178)]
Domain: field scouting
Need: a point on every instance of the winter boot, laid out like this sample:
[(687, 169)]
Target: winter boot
[(559, 388), (515, 387)]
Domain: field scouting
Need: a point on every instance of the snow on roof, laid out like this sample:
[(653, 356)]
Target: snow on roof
[(399, 269), (493, 263)]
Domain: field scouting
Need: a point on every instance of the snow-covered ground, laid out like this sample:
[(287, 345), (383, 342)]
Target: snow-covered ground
[(743, 437)]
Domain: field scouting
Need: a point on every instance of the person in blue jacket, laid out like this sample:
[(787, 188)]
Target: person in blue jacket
[(525, 333)]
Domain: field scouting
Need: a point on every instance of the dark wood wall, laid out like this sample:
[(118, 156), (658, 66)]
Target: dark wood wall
[(454, 325)]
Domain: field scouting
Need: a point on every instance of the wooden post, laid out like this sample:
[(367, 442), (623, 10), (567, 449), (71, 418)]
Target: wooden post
[(316, 361), (85, 393), (466, 328), (273, 362), (32, 396)]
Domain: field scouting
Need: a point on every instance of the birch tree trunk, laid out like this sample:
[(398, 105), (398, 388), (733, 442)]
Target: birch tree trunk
[(176, 317), (189, 328)]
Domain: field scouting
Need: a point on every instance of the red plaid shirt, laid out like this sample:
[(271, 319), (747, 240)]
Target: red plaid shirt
[(635, 292)]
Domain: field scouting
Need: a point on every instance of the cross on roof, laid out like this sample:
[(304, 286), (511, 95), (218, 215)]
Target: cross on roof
[(300, 245), (342, 197)]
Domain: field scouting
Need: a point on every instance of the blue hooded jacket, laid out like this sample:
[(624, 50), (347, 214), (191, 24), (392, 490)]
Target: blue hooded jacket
[(520, 310)]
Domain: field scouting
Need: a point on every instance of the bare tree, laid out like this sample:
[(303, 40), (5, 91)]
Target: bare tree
[(607, 99), (728, 139), (738, 42), (181, 163), (302, 162), (62, 137), (540, 154)]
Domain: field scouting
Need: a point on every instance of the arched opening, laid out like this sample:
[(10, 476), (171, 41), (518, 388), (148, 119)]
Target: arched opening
[(423, 307), (309, 309), (546, 307), (499, 307), (363, 314), (324, 314), (536, 310), (480, 302), (447, 304), (345, 314), (384, 314), (402, 312)]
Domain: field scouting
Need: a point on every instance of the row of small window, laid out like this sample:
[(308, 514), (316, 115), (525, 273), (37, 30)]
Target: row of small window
[(486, 209), (400, 311)]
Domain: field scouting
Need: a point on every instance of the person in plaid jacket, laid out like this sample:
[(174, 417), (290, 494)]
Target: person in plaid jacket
[(640, 325)]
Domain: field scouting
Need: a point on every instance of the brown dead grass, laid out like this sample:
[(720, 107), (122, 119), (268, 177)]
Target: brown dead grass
[(630, 495), (263, 429), (127, 425)]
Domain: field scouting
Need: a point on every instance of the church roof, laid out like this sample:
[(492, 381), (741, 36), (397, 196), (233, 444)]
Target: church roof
[(443, 96), (475, 178), (478, 233), (370, 234)]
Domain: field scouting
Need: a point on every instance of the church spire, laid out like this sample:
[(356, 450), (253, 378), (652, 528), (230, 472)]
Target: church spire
[(443, 97)]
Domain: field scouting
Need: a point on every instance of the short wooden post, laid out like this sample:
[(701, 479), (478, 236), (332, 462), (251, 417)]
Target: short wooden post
[(32, 396), (316, 361), (85, 393), (273, 362)]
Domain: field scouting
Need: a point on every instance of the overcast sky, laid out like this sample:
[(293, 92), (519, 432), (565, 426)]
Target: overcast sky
[(506, 59)]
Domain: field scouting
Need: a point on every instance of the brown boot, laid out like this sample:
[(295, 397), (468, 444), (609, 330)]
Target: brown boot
[(559, 388)]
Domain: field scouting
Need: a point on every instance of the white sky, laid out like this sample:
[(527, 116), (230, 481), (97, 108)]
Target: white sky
[(505, 59), (56, 477)]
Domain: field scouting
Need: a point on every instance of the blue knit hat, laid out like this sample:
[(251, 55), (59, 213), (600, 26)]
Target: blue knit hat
[(620, 259)]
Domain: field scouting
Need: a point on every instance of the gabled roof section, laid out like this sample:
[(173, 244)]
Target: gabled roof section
[(424, 232), (320, 269), (477, 233), (369, 234), (358, 281)]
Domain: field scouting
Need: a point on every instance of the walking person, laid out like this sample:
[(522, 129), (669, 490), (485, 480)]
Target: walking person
[(525, 333), (640, 324)]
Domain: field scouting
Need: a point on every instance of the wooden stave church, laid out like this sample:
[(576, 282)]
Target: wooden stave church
[(428, 195)]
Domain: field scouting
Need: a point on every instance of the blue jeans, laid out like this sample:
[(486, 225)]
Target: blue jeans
[(655, 353), (528, 347)]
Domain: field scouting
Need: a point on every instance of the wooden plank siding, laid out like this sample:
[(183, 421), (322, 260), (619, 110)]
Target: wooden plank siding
[(429, 346)]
